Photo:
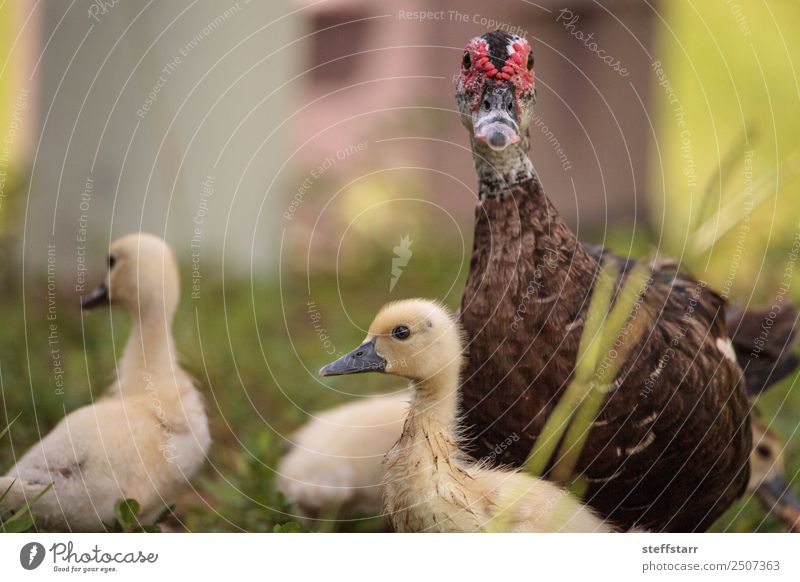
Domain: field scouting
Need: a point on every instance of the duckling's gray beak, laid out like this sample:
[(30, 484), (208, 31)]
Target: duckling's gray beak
[(777, 496), (97, 297), (362, 359)]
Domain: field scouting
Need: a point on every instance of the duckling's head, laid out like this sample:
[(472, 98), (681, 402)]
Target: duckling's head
[(768, 472), (415, 339), (142, 275)]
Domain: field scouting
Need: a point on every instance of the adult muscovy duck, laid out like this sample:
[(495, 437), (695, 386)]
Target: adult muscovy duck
[(669, 448)]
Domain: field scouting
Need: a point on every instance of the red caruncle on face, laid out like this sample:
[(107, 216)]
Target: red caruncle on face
[(477, 68)]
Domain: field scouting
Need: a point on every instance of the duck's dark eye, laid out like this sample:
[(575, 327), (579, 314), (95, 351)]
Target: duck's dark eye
[(763, 451), (401, 332), (466, 61), (530, 61), (112, 260)]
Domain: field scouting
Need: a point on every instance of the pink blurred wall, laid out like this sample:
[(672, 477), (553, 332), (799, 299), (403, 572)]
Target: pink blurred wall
[(383, 74)]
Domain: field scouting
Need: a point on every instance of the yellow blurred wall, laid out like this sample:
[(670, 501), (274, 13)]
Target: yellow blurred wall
[(16, 104), (6, 77), (730, 69)]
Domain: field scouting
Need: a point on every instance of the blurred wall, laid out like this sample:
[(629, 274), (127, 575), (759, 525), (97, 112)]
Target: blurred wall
[(19, 37), (227, 126), (726, 106), (159, 116), (382, 74)]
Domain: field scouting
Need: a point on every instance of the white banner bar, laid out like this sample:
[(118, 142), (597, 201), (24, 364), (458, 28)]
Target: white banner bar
[(388, 557)]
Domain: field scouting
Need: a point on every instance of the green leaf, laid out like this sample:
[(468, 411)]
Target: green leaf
[(20, 522), (126, 511)]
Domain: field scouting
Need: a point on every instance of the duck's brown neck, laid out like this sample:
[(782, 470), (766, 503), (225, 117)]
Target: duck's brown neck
[(500, 170), (525, 256)]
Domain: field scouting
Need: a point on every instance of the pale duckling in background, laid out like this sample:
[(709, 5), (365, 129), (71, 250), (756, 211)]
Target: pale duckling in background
[(146, 436), (335, 464), (430, 485), (768, 476)]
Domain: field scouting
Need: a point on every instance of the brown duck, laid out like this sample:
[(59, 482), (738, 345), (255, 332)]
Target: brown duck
[(669, 449)]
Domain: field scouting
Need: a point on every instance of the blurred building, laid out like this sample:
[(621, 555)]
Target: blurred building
[(164, 116), (212, 122)]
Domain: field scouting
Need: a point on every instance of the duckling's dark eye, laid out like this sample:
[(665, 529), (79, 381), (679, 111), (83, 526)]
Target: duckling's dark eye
[(530, 61), (466, 61), (112, 260), (763, 451), (401, 332)]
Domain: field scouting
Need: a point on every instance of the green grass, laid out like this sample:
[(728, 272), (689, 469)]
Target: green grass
[(255, 351)]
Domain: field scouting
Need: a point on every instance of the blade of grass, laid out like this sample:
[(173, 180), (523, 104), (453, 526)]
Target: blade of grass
[(579, 404), (5, 493), (621, 345), (2, 434), (559, 418), (22, 519), (721, 222), (622, 312), (8, 426), (717, 181)]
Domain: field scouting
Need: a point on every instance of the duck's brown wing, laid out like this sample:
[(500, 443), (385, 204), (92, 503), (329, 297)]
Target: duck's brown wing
[(671, 445)]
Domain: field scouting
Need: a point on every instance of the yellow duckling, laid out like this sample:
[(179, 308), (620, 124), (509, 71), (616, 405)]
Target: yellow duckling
[(430, 485), (149, 433)]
